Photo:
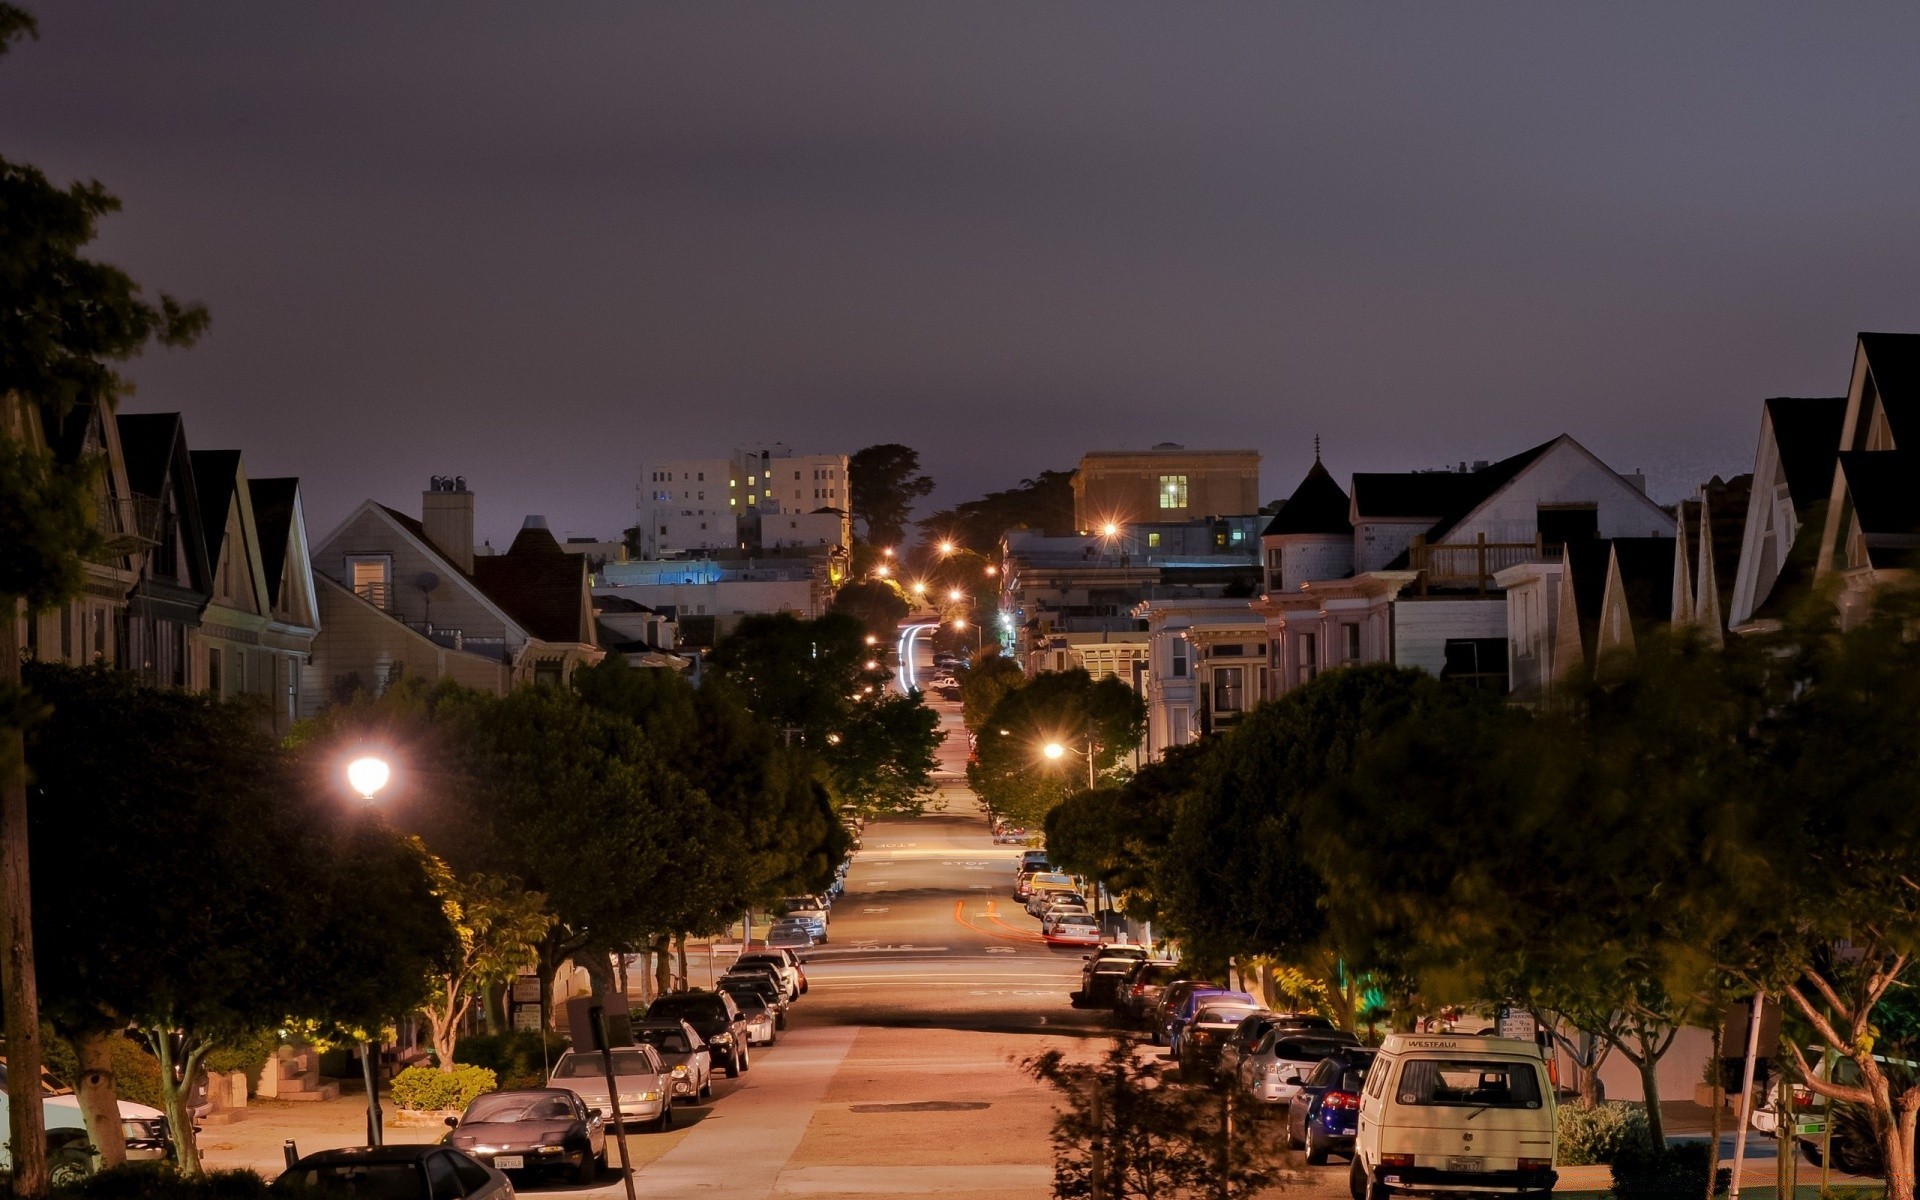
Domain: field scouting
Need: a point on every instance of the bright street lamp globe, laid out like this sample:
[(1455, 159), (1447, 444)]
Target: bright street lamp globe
[(946, 547), (368, 775), (955, 594), (1109, 529), (1055, 750)]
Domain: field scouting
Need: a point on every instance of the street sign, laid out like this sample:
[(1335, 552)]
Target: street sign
[(1517, 1023)]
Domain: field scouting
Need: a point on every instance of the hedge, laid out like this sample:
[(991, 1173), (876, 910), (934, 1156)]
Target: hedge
[(1600, 1134), (515, 1057), (430, 1089)]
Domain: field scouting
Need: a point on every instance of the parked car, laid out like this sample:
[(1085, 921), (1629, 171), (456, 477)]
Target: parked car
[(1455, 1114), (1324, 1114), (1122, 952), (715, 1017), (1241, 1042), (1181, 1014), (806, 906), (1103, 974), (1171, 996), (790, 935), (685, 1054), (784, 961), (644, 1082), (1050, 881), (763, 1021), (741, 983), (1080, 930), (1283, 1060), (536, 1130), (1033, 860), (1139, 993), (404, 1172), (1005, 834), (775, 979), (1066, 912), (1203, 1036), (1040, 902)]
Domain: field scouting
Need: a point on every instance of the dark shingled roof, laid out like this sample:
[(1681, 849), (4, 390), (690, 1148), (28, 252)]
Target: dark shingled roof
[(1318, 505), (1445, 496), (535, 582), (215, 472), (1886, 501), (273, 518), (1646, 575), (1894, 360), (1807, 431)]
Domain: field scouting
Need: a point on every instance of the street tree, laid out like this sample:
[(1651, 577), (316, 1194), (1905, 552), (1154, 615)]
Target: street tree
[(982, 683), (878, 604), (258, 900), (1011, 771), (1044, 502), (883, 482), (66, 320), (498, 925), (1117, 834)]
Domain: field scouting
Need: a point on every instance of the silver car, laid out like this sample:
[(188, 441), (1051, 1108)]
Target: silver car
[(1282, 1060), (685, 1054), (645, 1083)]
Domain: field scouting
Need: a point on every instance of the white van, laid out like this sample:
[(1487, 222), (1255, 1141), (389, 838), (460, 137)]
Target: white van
[(1445, 1114)]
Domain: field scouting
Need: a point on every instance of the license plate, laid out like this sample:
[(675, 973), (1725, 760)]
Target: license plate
[(1466, 1163), (509, 1162)]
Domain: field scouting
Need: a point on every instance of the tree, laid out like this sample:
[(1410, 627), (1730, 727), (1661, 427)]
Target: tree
[(1044, 502), (498, 925), (1010, 772), (883, 481), (230, 899), (876, 603), (808, 681), (66, 318), (1117, 834), (982, 683)]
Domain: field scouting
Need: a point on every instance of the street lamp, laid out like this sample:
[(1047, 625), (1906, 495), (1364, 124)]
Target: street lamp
[(919, 588), (883, 570), (368, 775), (1055, 751), (979, 635), (947, 546), (1110, 530), (955, 595)]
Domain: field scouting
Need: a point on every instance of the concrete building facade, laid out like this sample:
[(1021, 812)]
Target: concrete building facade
[(1168, 483)]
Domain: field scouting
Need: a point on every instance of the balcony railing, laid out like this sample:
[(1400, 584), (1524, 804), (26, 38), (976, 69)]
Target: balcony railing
[(1468, 566)]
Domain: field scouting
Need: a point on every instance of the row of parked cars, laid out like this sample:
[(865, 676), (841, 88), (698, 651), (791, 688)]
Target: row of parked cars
[(684, 1040), (1421, 1113), (1054, 898)]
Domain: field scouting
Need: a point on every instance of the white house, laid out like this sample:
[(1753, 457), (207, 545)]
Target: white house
[(1792, 479), (1203, 667)]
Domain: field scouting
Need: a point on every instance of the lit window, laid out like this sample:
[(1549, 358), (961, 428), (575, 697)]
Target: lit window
[(1153, 540), (1173, 491), (752, 480)]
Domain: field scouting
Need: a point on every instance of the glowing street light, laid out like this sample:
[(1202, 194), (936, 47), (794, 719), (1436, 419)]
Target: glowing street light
[(992, 571), (1055, 750), (1110, 529), (955, 594), (368, 775), (883, 570), (888, 551), (947, 546), (872, 640), (919, 588)]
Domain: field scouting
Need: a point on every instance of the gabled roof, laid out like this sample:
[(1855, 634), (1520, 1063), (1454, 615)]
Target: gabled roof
[(1586, 580), (1806, 432), (1894, 360), (154, 447), (1318, 505), (273, 505), (214, 474), (1443, 496), (1884, 486), (1646, 576), (538, 585), (148, 442)]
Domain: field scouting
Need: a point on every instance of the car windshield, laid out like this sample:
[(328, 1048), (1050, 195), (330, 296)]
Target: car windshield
[(1469, 1083), (1155, 974), (502, 1107), (747, 998), (592, 1065), (1203, 997), (667, 1041), (1307, 1050), (364, 1181)]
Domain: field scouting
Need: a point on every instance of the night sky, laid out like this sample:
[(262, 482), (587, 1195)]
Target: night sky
[(535, 243)]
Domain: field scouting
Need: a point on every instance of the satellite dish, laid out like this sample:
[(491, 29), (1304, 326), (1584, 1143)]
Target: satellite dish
[(426, 581)]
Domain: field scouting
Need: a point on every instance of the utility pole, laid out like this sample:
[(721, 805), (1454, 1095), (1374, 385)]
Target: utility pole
[(1097, 1158), (27, 1125)]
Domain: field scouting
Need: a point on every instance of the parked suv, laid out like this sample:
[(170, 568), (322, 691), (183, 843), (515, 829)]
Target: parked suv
[(1449, 1113), (715, 1017)]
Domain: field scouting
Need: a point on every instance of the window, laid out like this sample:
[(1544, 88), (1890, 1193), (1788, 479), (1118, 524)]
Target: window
[(1470, 1083), (1559, 524), (1173, 491), (1477, 662), (372, 578), (471, 1173), (442, 1178), (1309, 645), (1239, 535), (752, 480), (213, 674), (1230, 650), (700, 477), (1229, 690), (1180, 658), (1353, 642), (1153, 541)]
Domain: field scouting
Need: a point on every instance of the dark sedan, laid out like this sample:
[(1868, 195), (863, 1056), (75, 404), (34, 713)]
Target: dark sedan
[(1325, 1113), (392, 1173), (536, 1130), (716, 1018), (1207, 1032)]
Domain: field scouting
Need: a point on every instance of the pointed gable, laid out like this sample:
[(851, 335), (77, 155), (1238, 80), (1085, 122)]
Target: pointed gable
[(544, 588), (1317, 506), (160, 472)]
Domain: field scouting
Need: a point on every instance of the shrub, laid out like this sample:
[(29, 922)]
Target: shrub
[(136, 1073), (160, 1181), (514, 1057), (1674, 1171), (1599, 1134), (430, 1088)]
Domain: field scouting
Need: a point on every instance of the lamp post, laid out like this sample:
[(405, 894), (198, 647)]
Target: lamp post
[(979, 635), (1055, 751), (369, 775)]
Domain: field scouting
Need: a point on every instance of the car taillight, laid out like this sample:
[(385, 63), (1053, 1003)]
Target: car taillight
[(1535, 1164), (1396, 1160), (1346, 1101)]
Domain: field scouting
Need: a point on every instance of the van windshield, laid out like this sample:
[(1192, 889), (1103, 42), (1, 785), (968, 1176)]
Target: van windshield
[(1469, 1083)]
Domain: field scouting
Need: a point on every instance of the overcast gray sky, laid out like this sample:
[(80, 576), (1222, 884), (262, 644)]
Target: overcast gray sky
[(535, 243)]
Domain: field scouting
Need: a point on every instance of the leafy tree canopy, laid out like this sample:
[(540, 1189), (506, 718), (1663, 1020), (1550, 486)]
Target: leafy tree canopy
[(883, 482)]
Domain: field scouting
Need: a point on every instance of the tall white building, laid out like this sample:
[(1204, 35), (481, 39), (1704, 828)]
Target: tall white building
[(763, 497)]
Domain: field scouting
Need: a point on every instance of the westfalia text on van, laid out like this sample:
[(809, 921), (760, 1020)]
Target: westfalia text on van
[(1447, 1114)]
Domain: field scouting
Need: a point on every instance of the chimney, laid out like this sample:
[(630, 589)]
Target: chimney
[(1637, 480), (446, 512)]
